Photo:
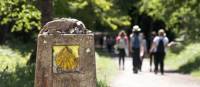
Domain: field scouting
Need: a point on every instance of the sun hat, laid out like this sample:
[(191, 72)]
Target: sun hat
[(136, 28), (161, 32)]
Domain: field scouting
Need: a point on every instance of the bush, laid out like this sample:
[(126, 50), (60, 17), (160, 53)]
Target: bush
[(187, 61), (22, 77), (177, 48)]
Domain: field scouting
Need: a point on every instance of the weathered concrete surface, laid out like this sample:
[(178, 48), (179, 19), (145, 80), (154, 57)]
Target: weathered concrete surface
[(64, 25), (85, 76)]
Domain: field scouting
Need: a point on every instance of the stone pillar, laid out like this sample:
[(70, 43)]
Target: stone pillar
[(65, 60)]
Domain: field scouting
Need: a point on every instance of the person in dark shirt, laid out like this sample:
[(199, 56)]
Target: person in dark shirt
[(135, 48), (152, 53)]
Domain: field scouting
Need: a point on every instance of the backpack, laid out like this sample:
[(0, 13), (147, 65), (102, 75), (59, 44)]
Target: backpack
[(161, 47), (136, 42)]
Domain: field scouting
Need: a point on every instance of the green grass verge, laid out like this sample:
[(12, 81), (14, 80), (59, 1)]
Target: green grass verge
[(106, 69), (23, 76), (11, 58), (13, 69), (187, 61)]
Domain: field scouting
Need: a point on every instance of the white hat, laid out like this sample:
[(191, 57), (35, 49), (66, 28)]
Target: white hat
[(161, 31), (136, 28)]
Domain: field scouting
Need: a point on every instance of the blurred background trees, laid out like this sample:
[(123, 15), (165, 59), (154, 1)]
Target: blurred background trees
[(21, 20), (98, 15), (179, 16), (20, 17), (23, 17)]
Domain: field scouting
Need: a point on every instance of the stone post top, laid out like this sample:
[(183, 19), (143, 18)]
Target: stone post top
[(65, 26), (45, 34)]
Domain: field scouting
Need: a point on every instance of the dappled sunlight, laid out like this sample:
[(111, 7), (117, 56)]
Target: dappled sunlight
[(105, 69), (191, 66), (187, 61), (11, 58), (22, 20)]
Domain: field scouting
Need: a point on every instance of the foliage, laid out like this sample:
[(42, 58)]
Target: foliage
[(181, 16), (179, 47), (187, 61), (21, 44), (19, 15), (96, 14), (22, 77), (13, 69)]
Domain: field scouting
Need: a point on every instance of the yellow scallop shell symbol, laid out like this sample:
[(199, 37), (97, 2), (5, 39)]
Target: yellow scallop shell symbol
[(66, 58)]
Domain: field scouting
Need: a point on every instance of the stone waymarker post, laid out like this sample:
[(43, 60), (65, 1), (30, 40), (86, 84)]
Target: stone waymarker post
[(65, 55)]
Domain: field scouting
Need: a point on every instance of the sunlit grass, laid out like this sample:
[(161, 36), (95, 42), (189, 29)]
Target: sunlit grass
[(196, 74), (10, 58), (187, 61), (13, 69), (106, 69)]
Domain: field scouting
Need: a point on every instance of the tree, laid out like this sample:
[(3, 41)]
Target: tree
[(96, 14), (20, 14), (46, 8), (181, 16), (17, 16)]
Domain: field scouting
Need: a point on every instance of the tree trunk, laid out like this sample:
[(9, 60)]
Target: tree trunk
[(46, 8)]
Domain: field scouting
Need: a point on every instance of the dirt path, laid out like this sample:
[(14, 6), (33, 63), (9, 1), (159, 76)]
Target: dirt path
[(126, 78)]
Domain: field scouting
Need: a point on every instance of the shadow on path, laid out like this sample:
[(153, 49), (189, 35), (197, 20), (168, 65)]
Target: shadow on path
[(171, 71), (190, 66)]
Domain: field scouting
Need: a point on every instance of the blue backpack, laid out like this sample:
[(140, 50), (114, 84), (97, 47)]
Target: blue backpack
[(136, 42), (161, 47)]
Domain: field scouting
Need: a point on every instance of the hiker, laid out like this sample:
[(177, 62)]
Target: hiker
[(109, 43), (160, 43), (143, 49), (122, 46), (135, 47), (152, 53)]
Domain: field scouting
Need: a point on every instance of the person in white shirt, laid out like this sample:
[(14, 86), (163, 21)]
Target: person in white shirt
[(160, 43)]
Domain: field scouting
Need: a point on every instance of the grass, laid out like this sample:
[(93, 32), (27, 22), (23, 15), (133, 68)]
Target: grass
[(21, 77), (15, 73), (187, 61), (11, 58), (106, 69), (13, 69)]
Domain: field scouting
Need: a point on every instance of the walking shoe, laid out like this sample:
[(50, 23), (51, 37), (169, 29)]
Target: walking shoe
[(150, 70), (135, 70), (155, 71)]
